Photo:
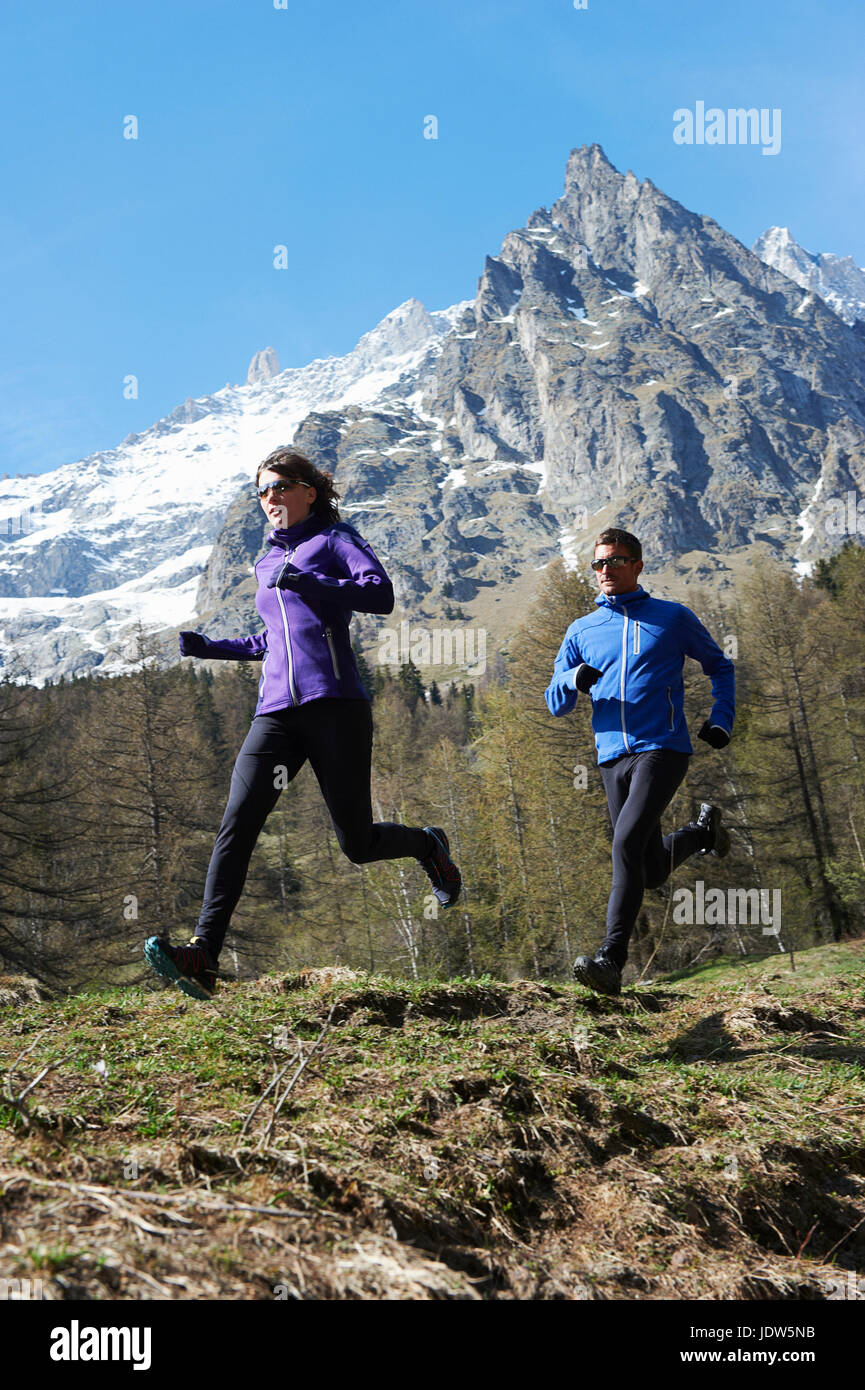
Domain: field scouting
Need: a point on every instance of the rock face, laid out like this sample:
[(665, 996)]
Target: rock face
[(242, 536), (263, 366), (625, 362), (837, 279)]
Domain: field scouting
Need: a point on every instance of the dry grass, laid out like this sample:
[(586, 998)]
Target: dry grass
[(469, 1140)]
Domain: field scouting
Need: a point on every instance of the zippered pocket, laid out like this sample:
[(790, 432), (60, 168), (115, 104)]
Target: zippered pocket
[(636, 639), (328, 633), (672, 709)]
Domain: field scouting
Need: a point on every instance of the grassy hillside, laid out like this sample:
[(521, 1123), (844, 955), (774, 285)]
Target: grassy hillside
[(698, 1138)]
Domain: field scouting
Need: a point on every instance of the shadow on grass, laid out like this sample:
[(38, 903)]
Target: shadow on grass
[(711, 1038)]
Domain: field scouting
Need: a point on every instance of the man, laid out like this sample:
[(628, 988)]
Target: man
[(628, 656)]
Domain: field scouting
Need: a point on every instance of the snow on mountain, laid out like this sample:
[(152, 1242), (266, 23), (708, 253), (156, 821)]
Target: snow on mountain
[(90, 548), (837, 279)]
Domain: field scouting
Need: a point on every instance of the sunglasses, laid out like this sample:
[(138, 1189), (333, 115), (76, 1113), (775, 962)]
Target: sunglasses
[(615, 562), (280, 486)]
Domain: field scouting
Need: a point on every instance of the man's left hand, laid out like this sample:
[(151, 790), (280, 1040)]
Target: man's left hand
[(714, 735)]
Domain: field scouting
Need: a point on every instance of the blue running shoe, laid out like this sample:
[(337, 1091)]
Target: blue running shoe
[(440, 869), (192, 967)]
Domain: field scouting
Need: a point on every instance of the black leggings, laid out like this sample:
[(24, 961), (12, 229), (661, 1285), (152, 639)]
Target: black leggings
[(336, 737), (639, 788)]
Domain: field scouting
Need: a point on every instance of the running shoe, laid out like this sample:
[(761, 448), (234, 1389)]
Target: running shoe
[(599, 973), (717, 837), (192, 967), (440, 869)]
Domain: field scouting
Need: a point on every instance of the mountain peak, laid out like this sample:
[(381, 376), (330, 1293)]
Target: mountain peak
[(836, 279), (588, 166), (404, 330), (263, 367), (593, 154)]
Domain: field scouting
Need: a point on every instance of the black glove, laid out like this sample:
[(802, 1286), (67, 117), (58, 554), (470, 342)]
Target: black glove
[(284, 578), (586, 677), (715, 736), (192, 644)]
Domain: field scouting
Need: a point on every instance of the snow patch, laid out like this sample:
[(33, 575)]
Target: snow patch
[(568, 543), (456, 477), (802, 520)]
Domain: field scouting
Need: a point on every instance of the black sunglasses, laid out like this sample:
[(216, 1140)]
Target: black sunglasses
[(281, 485), (614, 561)]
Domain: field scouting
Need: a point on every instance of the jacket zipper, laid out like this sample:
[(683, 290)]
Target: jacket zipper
[(328, 632), (292, 692), (636, 638), (622, 683), (672, 710)]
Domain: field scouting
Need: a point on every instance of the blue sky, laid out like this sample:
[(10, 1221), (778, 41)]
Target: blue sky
[(303, 126)]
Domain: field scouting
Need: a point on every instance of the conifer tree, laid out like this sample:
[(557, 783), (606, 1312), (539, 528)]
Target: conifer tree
[(790, 765)]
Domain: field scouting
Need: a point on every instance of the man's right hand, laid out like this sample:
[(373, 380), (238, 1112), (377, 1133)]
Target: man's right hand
[(714, 735), (192, 644), (585, 678)]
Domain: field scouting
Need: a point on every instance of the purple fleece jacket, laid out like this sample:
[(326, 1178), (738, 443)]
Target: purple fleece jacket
[(306, 648)]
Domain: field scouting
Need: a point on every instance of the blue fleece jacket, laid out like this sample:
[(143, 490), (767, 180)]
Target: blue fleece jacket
[(639, 645)]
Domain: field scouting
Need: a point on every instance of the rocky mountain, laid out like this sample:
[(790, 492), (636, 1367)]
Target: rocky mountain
[(625, 361), (837, 279)]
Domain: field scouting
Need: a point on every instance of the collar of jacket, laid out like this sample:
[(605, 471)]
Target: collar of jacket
[(616, 600), (291, 536)]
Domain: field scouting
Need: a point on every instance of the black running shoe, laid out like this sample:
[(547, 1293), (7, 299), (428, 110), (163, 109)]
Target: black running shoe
[(440, 869), (717, 837), (192, 967), (598, 973)]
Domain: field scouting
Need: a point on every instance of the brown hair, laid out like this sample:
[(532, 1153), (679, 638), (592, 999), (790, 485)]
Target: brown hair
[(290, 464), (613, 536)]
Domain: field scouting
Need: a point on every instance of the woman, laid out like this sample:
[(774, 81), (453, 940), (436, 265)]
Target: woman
[(311, 705)]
